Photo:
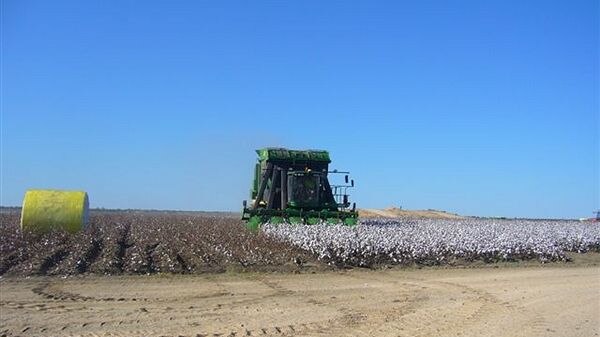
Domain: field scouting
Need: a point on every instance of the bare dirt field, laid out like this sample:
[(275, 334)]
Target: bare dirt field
[(395, 212), (556, 300)]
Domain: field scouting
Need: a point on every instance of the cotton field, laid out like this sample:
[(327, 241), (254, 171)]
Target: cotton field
[(143, 243), (183, 243), (434, 241)]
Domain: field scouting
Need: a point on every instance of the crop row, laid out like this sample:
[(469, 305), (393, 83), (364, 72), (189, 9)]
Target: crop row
[(142, 243)]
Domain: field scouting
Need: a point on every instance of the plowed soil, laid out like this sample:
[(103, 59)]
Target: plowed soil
[(525, 301)]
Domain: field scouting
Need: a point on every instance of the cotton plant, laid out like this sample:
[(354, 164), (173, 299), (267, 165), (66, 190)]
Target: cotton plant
[(437, 241)]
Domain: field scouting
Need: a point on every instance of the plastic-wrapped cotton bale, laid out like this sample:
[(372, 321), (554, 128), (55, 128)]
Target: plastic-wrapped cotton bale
[(46, 210)]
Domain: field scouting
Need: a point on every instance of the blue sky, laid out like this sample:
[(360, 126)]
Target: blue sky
[(477, 107)]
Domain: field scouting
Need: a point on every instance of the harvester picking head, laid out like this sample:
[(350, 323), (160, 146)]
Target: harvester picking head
[(292, 186)]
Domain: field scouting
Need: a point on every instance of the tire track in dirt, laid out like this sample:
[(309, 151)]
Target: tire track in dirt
[(344, 318), (53, 291), (476, 308), (490, 306), (389, 319), (354, 303)]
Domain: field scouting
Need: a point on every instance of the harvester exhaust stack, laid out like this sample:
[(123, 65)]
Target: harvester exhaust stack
[(293, 186)]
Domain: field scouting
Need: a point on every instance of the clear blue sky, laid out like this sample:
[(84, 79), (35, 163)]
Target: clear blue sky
[(476, 107)]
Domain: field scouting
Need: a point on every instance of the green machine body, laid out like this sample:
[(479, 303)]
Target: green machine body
[(293, 186)]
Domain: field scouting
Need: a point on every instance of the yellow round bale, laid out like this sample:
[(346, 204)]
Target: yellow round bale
[(46, 210)]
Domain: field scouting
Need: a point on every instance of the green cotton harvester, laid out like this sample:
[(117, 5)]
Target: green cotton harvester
[(293, 186)]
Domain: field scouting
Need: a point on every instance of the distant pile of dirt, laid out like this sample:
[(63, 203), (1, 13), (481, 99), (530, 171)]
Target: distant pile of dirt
[(394, 212)]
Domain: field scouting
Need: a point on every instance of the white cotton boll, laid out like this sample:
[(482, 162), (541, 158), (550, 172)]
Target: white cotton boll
[(394, 240)]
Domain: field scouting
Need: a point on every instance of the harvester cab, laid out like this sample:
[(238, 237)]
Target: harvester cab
[(293, 186)]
